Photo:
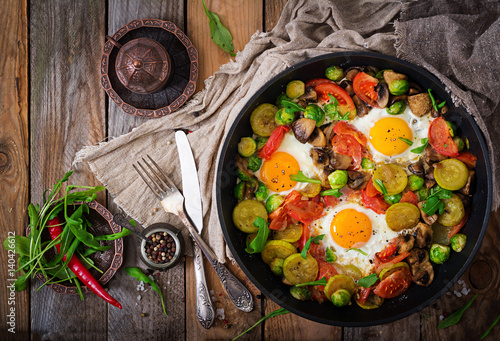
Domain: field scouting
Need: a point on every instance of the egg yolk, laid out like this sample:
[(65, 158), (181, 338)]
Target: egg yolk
[(275, 173), (350, 228), (385, 134)]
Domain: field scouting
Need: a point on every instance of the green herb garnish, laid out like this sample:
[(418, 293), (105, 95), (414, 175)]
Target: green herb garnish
[(321, 281), (407, 141), (456, 316), (308, 244), (140, 276), (300, 177), (270, 315), (434, 105), (420, 149), (483, 335), (218, 32), (335, 192), (433, 203), (331, 257), (368, 281), (442, 104), (291, 107), (331, 110), (257, 245), (358, 250), (381, 185)]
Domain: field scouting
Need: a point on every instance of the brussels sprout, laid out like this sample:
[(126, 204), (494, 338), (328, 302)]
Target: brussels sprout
[(366, 163), (273, 202), (338, 179), (334, 73), (459, 142), (247, 146), (254, 162), (331, 257), (341, 298), (239, 190), (392, 199), (283, 117), (315, 113), (280, 98), (295, 89), (439, 253), (399, 87), (451, 128), (415, 182), (458, 242), (277, 266), (397, 108), (300, 293), (380, 75), (261, 142), (241, 175), (262, 192), (252, 184), (422, 194)]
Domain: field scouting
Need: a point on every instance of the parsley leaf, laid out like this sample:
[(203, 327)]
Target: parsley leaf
[(420, 149), (218, 32), (318, 282), (257, 244), (358, 250), (334, 192), (368, 281), (407, 141), (381, 185), (456, 316), (308, 244), (270, 315), (300, 177)]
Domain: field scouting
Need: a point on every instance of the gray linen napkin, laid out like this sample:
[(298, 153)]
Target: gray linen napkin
[(306, 29)]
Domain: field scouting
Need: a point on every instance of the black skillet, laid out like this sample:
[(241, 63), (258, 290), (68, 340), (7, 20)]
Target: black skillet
[(416, 297)]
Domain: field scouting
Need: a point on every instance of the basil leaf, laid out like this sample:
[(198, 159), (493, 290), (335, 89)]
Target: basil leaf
[(358, 250), (368, 281), (335, 192), (257, 245), (140, 276), (381, 185), (308, 244), (456, 316), (291, 105), (300, 177), (407, 141), (21, 245), (270, 315), (431, 205), (420, 149), (218, 32), (483, 335), (321, 281)]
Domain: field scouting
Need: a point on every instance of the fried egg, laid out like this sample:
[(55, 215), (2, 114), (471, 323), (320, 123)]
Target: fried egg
[(351, 225), (383, 132)]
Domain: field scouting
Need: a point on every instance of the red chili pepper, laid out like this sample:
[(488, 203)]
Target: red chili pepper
[(77, 267)]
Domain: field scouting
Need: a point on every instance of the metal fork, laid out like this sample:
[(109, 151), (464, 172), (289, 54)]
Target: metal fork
[(173, 202)]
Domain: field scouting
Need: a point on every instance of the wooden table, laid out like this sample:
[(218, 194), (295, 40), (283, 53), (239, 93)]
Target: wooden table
[(53, 105)]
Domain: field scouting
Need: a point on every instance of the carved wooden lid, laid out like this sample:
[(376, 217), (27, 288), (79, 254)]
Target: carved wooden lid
[(143, 65)]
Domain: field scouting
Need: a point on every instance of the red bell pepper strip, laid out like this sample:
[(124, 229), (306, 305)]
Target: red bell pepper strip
[(468, 158), (77, 267), (274, 142), (456, 228)]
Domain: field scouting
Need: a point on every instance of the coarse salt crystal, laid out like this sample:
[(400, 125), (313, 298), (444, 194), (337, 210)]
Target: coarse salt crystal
[(441, 317), (457, 293), (168, 282), (448, 293), (220, 313), (212, 292), (139, 297)]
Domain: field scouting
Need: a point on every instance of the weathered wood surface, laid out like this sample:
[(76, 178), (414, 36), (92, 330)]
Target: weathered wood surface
[(14, 158)]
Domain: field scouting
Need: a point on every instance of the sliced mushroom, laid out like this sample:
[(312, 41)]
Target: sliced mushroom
[(383, 94), (320, 157), (417, 168), (310, 95), (357, 180), (420, 104), (347, 85), (391, 76), (317, 138), (429, 219), (432, 155), (242, 165), (361, 107), (429, 183), (340, 161), (303, 128), (421, 268), (328, 131), (404, 243), (444, 109), (351, 72), (466, 189), (414, 89), (429, 171), (435, 113), (394, 99), (423, 234)]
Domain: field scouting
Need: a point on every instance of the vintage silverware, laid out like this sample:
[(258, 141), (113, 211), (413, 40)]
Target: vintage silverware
[(173, 202), (193, 205)]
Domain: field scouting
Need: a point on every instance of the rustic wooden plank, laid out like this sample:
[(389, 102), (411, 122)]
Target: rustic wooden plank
[(129, 322), (14, 159), (272, 13), (483, 278), (407, 329), (67, 113)]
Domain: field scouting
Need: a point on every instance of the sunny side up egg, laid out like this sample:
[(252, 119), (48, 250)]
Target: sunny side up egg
[(383, 132), (351, 225)]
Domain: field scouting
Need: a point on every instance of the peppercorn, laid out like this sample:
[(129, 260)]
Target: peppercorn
[(161, 249)]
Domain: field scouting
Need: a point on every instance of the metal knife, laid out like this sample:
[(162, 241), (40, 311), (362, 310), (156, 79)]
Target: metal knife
[(192, 202), (237, 292)]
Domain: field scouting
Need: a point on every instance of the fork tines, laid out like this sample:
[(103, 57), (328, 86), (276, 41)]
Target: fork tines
[(154, 177)]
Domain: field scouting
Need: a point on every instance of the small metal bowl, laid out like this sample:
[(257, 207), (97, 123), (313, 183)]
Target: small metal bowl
[(179, 246)]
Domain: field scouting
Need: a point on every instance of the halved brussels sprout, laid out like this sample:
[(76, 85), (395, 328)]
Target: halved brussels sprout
[(295, 89), (300, 293), (334, 73), (247, 146), (341, 298), (397, 108), (283, 117), (338, 179), (366, 163), (338, 282), (458, 242), (239, 190), (280, 98), (262, 192), (273, 202), (399, 87), (415, 182), (261, 141), (459, 142), (314, 112), (277, 266), (254, 162)]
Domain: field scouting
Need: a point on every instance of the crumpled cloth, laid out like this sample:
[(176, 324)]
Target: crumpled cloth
[(456, 41)]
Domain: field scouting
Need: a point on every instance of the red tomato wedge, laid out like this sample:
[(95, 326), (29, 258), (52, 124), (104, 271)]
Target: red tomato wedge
[(348, 145), (305, 236), (389, 261), (370, 189), (318, 252), (394, 285), (344, 128), (345, 101), (317, 81), (274, 142), (377, 203), (280, 222), (364, 87), (409, 197), (363, 294), (456, 228), (292, 197), (440, 138), (331, 200), (305, 211), (468, 158), (325, 270), (387, 252)]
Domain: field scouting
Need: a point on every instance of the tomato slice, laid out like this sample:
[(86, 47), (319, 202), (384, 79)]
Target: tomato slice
[(363, 294), (274, 142), (292, 197), (344, 128), (468, 158), (348, 145), (345, 101), (305, 236), (454, 229), (280, 222), (389, 261), (440, 138), (364, 87), (376, 203), (387, 252), (318, 252), (394, 285), (331, 200), (305, 211), (317, 81), (370, 189), (409, 197), (326, 270)]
